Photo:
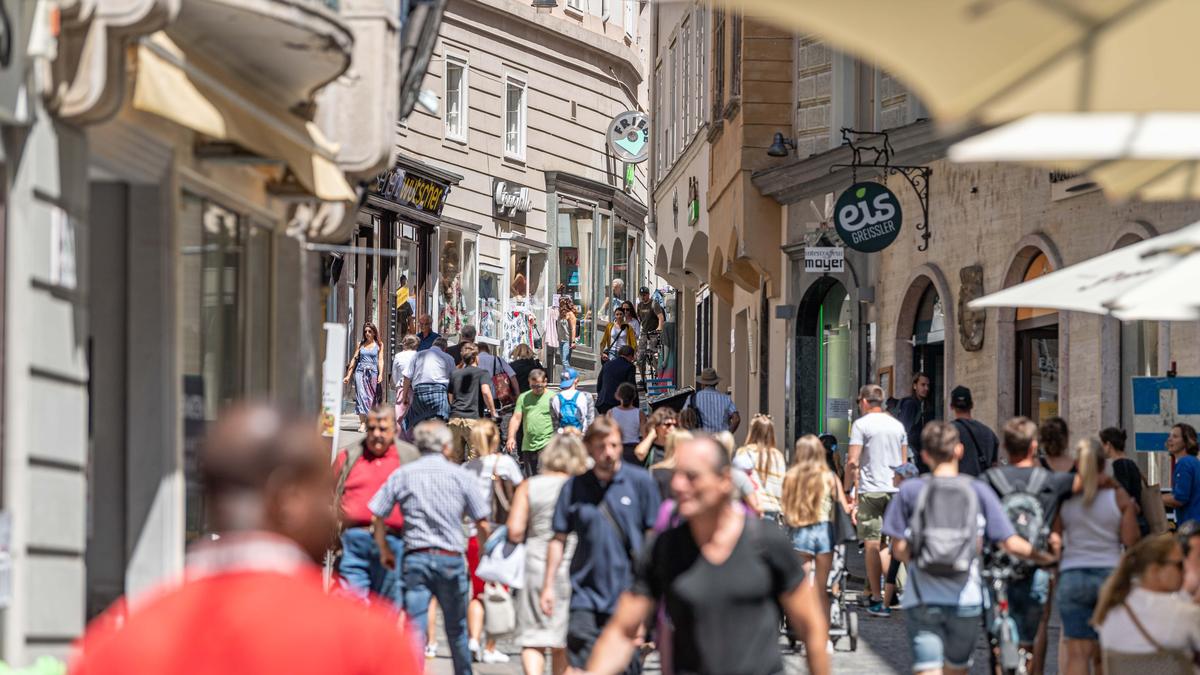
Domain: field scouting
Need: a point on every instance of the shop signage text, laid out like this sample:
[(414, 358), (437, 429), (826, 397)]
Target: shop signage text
[(824, 259), (411, 190), (629, 137), (510, 201), (867, 217)]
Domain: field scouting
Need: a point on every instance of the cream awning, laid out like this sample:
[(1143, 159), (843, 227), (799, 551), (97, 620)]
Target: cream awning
[(170, 85)]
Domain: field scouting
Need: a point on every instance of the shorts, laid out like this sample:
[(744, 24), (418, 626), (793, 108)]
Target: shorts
[(943, 636), (813, 539), (1026, 601), (871, 506), (1078, 590)]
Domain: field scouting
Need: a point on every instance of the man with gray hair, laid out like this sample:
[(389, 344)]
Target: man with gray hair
[(434, 495), (877, 444)]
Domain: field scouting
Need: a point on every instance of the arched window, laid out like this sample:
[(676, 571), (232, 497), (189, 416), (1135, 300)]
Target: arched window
[(1037, 353)]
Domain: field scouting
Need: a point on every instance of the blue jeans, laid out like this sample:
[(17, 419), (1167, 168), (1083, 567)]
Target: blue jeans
[(1078, 591), (363, 573), (943, 635), (443, 577)]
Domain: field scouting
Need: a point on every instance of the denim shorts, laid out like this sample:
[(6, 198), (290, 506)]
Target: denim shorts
[(1026, 600), (943, 635), (813, 539), (1078, 590)]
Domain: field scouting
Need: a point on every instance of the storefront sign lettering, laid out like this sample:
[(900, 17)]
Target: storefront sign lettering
[(824, 259), (411, 190), (510, 201), (868, 217)]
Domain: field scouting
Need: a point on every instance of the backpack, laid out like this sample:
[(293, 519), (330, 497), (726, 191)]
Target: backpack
[(1024, 511), (569, 414), (945, 527)]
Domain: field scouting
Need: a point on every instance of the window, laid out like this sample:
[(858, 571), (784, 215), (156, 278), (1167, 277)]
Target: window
[(735, 57), (515, 111), (704, 319), (456, 294), (456, 98), (631, 17), (525, 312), (660, 119), (491, 316), (576, 258), (700, 50), (605, 9), (673, 96), (718, 64), (576, 5), (685, 80)]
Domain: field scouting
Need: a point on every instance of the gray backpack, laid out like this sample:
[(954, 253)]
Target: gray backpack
[(945, 526)]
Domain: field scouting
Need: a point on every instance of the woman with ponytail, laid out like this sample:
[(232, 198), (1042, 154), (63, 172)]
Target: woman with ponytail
[(1140, 611), (765, 463), (809, 492), (1094, 525)]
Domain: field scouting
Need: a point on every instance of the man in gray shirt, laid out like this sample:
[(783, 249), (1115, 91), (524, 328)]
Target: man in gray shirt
[(434, 495)]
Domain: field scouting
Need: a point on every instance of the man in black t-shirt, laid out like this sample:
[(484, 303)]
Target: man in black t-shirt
[(914, 412), (470, 391), (724, 602), (980, 446)]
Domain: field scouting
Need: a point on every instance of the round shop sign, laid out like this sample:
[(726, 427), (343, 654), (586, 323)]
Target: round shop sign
[(867, 217), (629, 137)]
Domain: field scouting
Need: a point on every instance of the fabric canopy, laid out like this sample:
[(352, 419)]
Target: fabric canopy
[(171, 86)]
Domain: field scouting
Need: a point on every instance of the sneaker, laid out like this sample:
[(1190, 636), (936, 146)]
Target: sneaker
[(431, 650), (877, 608), (494, 656)]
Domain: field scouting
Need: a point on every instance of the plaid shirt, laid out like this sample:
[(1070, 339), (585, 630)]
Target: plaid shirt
[(433, 495)]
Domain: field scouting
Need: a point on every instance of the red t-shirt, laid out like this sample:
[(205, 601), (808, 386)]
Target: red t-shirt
[(249, 622), (366, 477)]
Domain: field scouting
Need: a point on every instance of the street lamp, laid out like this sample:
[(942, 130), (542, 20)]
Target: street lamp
[(779, 147)]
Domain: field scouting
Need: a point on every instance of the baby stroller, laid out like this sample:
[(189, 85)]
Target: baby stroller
[(843, 621)]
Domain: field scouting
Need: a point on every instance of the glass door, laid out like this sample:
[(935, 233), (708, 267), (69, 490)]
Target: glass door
[(1037, 373)]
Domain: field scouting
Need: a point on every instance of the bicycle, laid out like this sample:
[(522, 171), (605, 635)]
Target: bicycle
[(649, 348), (1007, 656)]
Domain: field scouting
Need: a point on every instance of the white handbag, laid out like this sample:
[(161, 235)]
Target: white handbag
[(503, 564), (499, 611)]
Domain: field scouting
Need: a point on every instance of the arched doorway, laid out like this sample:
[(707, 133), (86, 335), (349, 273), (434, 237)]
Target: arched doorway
[(825, 383), (1037, 362), (929, 347)]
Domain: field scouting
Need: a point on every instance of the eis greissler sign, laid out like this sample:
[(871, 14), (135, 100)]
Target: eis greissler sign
[(867, 217)]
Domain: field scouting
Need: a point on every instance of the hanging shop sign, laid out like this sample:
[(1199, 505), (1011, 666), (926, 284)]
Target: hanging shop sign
[(824, 259), (510, 201), (411, 190), (693, 200), (868, 217), (629, 137)]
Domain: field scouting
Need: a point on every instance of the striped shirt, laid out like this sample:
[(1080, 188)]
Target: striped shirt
[(433, 495), (714, 408)]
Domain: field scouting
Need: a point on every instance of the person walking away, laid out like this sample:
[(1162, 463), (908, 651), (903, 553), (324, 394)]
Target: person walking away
[(810, 491), (914, 412), (616, 333), (466, 336), (523, 362), (491, 469), (630, 419), (267, 483), (568, 329), (1054, 440), (767, 465), (723, 577), (1143, 623), (470, 394), (434, 495), (981, 448), (368, 378), (1185, 480), (609, 508), (428, 378), (877, 443), (361, 470), (690, 421), (426, 334), (716, 410), (664, 470), (534, 423), (1124, 470), (571, 408), (652, 449), (613, 374), (402, 362), (936, 522), (530, 521), (1093, 526)]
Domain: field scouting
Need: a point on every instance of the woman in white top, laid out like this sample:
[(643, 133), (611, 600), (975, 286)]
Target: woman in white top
[(1140, 611), (488, 467), (1093, 526), (401, 362), (629, 420), (768, 464)]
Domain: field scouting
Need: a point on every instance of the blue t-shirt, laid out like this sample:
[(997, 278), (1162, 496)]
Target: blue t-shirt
[(427, 341), (1185, 487), (601, 569), (962, 591)]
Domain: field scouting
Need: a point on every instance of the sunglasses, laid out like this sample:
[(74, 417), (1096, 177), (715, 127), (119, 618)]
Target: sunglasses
[(669, 423)]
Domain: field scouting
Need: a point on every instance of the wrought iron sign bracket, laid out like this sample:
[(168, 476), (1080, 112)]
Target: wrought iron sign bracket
[(873, 150)]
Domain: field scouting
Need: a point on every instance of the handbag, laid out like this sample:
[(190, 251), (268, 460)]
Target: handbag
[(1153, 509), (499, 611), (503, 490), (501, 388), (844, 531), (502, 561), (1159, 662)]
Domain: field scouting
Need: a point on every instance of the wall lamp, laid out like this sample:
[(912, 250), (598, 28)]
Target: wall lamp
[(545, 4), (779, 147)]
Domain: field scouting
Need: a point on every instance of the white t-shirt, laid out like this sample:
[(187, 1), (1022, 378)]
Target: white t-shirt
[(483, 467), (884, 443), (1173, 621), (432, 366), (400, 363)]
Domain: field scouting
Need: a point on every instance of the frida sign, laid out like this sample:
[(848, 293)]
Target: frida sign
[(867, 217)]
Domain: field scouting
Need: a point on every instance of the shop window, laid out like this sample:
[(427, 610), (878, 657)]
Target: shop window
[(408, 283), (525, 316), (457, 297), (1037, 353), (624, 264), (515, 113), (704, 319), (605, 299), (491, 310), (456, 99), (576, 262)]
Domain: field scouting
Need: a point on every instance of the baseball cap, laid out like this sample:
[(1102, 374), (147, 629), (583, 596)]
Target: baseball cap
[(960, 397), (644, 289), (569, 377)]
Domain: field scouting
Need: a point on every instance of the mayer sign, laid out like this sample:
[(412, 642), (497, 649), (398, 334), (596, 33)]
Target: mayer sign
[(867, 217)]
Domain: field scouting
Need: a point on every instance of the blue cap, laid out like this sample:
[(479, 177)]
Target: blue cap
[(569, 376)]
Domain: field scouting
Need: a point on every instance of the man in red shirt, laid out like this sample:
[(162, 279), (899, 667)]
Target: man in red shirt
[(252, 600), (360, 569)]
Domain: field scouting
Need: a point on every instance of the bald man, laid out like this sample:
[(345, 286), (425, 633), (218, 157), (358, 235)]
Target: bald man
[(268, 489)]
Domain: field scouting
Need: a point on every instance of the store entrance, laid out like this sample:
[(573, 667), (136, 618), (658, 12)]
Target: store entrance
[(824, 375), (929, 349), (1037, 353)]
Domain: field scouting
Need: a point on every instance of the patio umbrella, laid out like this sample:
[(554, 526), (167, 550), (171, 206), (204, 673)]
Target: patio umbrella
[(997, 60), (1157, 279), (1148, 156)]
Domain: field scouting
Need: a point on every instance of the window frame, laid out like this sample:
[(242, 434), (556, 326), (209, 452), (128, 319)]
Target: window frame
[(513, 79), (464, 86), (630, 12)]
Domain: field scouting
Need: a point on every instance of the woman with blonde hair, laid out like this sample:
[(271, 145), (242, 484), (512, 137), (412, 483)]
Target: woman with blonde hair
[(662, 471), (530, 521), (765, 463), (810, 491), (1093, 525)]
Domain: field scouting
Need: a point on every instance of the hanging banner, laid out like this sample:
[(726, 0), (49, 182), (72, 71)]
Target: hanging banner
[(332, 372), (868, 217)]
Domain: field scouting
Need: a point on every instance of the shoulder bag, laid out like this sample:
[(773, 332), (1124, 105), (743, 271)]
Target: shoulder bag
[(501, 387), (984, 465), (502, 561), (503, 490), (1153, 509), (1159, 662), (500, 613)]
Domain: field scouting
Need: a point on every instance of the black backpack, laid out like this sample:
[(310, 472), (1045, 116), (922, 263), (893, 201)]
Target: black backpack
[(945, 526)]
